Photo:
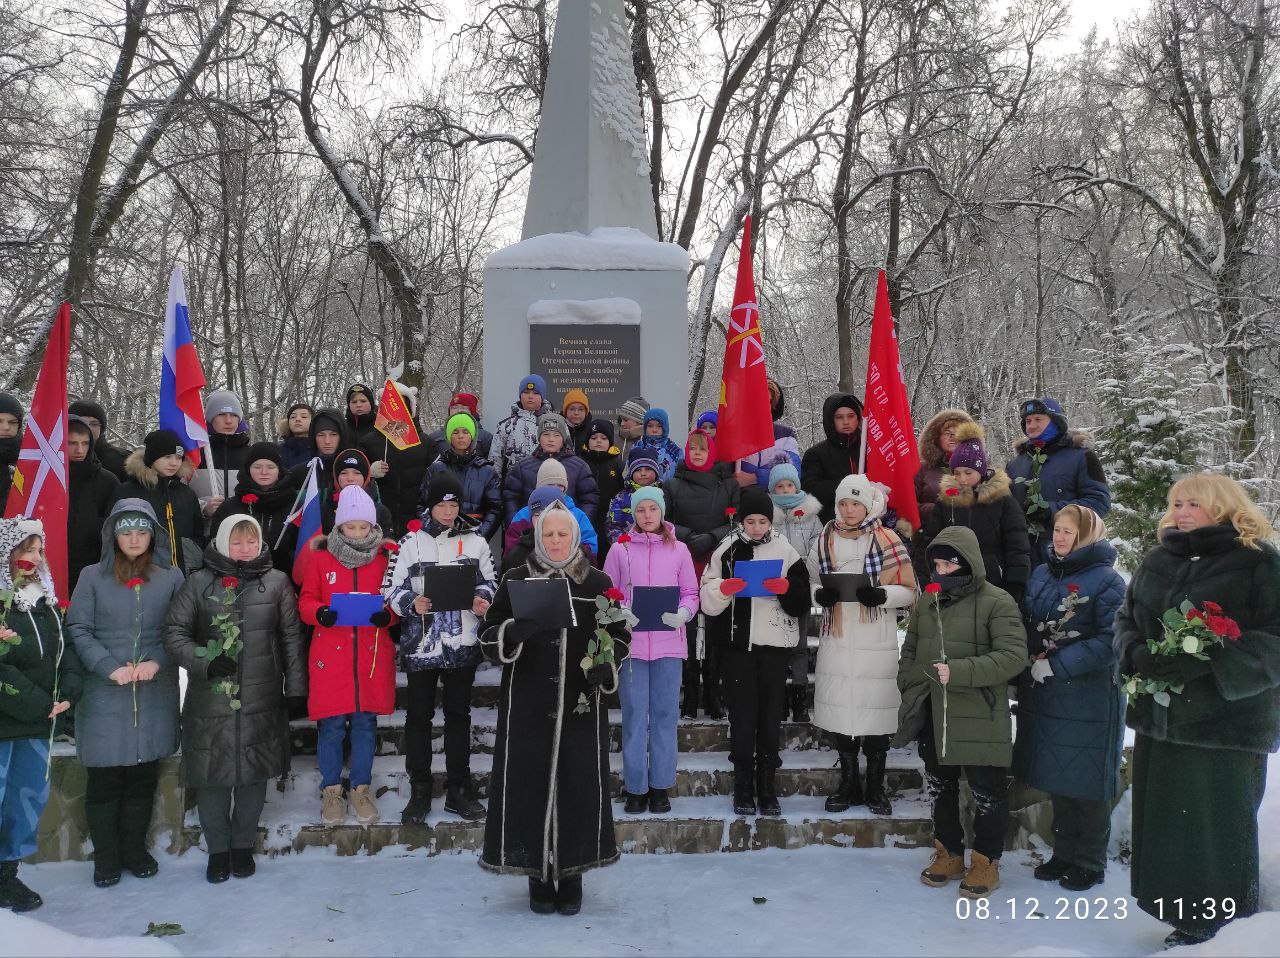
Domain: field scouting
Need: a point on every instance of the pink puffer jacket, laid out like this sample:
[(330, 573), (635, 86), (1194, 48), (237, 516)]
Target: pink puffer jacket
[(646, 558)]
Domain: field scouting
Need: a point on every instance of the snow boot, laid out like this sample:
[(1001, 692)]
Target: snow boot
[(135, 822), (712, 704), (333, 805), (943, 866), (877, 801), (659, 804), (766, 789), (799, 704), (219, 868), (744, 796), (14, 895), (242, 865), (636, 804), (1181, 936), (569, 895), (415, 813), (982, 878), (849, 791), (1052, 870), (542, 896), (1081, 879), (362, 804), (459, 800), (104, 830)]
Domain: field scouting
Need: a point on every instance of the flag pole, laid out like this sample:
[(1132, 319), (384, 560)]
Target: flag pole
[(215, 487), (862, 446)]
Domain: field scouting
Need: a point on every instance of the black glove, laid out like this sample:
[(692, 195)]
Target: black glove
[(1180, 668), (297, 705), (381, 618), (326, 616), (872, 596), (826, 597), (1142, 661), (221, 667), (598, 676)]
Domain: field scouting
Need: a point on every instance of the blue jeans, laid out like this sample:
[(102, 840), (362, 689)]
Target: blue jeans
[(650, 693), (330, 733), (23, 795)]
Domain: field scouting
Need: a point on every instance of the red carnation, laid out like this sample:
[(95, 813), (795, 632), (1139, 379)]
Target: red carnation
[(391, 547), (415, 525), (799, 513), (933, 588), (614, 594), (134, 583), (24, 565), (1212, 607), (1073, 588), (624, 538), (230, 582), (953, 491), (248, 498), (731, 511), (1195, 616), (1223, 627)]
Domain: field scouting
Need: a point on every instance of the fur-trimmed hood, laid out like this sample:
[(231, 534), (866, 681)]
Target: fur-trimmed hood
[(136, 468), (1074, 437), (996, 487), (13, 532), (931, 454), (809, 506)]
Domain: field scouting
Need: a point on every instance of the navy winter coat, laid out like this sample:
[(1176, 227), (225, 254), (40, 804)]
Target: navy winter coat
[(1071, 726), (1071, 473), (481, 491), (522, 479)]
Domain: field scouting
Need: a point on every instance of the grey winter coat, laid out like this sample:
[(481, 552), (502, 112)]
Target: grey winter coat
[(102, 621), (220, 745)]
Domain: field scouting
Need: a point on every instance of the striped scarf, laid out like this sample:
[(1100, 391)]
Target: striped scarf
[(887, 563)]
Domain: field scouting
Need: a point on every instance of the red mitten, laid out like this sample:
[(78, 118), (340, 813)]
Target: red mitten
[(778, 586), (732, 586)]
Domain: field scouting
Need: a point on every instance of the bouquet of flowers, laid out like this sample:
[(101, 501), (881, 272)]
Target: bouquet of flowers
[(601, 650), (229, 642), (1188, 630)]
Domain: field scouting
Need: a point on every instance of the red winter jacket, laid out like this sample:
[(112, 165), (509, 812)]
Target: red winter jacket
[(353, 669)]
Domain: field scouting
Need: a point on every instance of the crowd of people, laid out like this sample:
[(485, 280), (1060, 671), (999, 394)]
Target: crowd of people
[(1007, 591)]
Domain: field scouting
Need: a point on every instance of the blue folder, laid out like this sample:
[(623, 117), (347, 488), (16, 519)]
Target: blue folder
[(649, 602), (754, 572), (355, 608)]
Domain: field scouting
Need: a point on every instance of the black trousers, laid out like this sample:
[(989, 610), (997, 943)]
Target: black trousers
[(990, 788), (118, 783), (869, 744), (755, 685), (421, 709), (701, 677), (1081, 831)]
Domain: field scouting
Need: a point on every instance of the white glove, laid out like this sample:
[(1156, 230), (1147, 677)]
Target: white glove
[(379, 469), (1041, 670), (677, 618)]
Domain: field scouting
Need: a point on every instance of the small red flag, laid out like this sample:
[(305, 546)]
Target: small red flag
[(744, 421), (393, 419), (39, 489), (893, 458)]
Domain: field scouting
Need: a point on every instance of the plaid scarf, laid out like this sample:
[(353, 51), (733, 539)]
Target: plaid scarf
[(887, 563)]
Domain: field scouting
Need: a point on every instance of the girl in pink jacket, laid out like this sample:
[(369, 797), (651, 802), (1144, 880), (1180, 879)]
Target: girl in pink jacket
[(649, 554)]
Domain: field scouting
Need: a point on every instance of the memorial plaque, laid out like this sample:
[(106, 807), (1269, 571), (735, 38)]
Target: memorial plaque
[(601, 360)]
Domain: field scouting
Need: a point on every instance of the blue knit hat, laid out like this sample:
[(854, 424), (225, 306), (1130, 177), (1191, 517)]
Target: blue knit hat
[(709, 416), (543, 496), (651, 494), (782, 472), (642, 457), (536, 383), (659, 416)]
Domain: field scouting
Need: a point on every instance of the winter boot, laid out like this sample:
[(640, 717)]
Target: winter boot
[(362, 804), (542, 896), (943, 866), (242, 865), (1052, 870), (1081, 879), (459, 800), (104, 829), (333, 805), (800, 704), (849, 791), (569, 895), (635, 804), (219, 868), (135, 822), (14, 895), (415, 813), (744, 796), (659, 804), (1182, 936), (982, 878), (766, 789), (877, 801)]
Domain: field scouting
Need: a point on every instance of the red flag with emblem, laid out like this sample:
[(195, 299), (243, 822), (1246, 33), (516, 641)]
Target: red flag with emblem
[(394, 420), (893, 456), (744, 421), (39, 488)]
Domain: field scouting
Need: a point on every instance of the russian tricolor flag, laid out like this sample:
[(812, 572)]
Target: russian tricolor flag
[(306, 511), (181, 378)]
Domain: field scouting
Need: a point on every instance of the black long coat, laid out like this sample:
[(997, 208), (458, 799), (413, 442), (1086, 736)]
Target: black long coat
[(552, 761)]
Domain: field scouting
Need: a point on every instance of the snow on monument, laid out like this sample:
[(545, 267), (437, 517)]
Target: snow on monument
[(588, 297)]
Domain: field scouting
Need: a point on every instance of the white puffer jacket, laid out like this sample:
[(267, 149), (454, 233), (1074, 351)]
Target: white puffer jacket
[(855, 689)]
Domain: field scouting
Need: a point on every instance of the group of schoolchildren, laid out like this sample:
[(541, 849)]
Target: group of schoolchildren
[(200, 569)]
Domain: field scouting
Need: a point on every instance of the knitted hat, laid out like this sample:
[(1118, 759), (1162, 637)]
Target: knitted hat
[(649, 494), (873, 496), (360, 389), (468, 400), (754, 502), (641, 457), (89, 410), (350, 459), (354, 505), (710, 416), (222, 541), (600, 427), (264, 450), (951, 554), (575, 396), (543, 496), (1043, 407), (161, 442), (13, 407), (970, 452), (781, 473), (299, 405), (127, 521), (553, 422), (634, 408), (552, 473), (443, 487), (79, 424), (460, 420), (220, 401), (535, 383)]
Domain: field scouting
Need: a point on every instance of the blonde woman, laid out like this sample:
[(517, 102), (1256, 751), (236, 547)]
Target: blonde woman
[(1199, 764)]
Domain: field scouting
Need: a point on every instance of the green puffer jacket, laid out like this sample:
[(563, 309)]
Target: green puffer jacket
[(986, 647)]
